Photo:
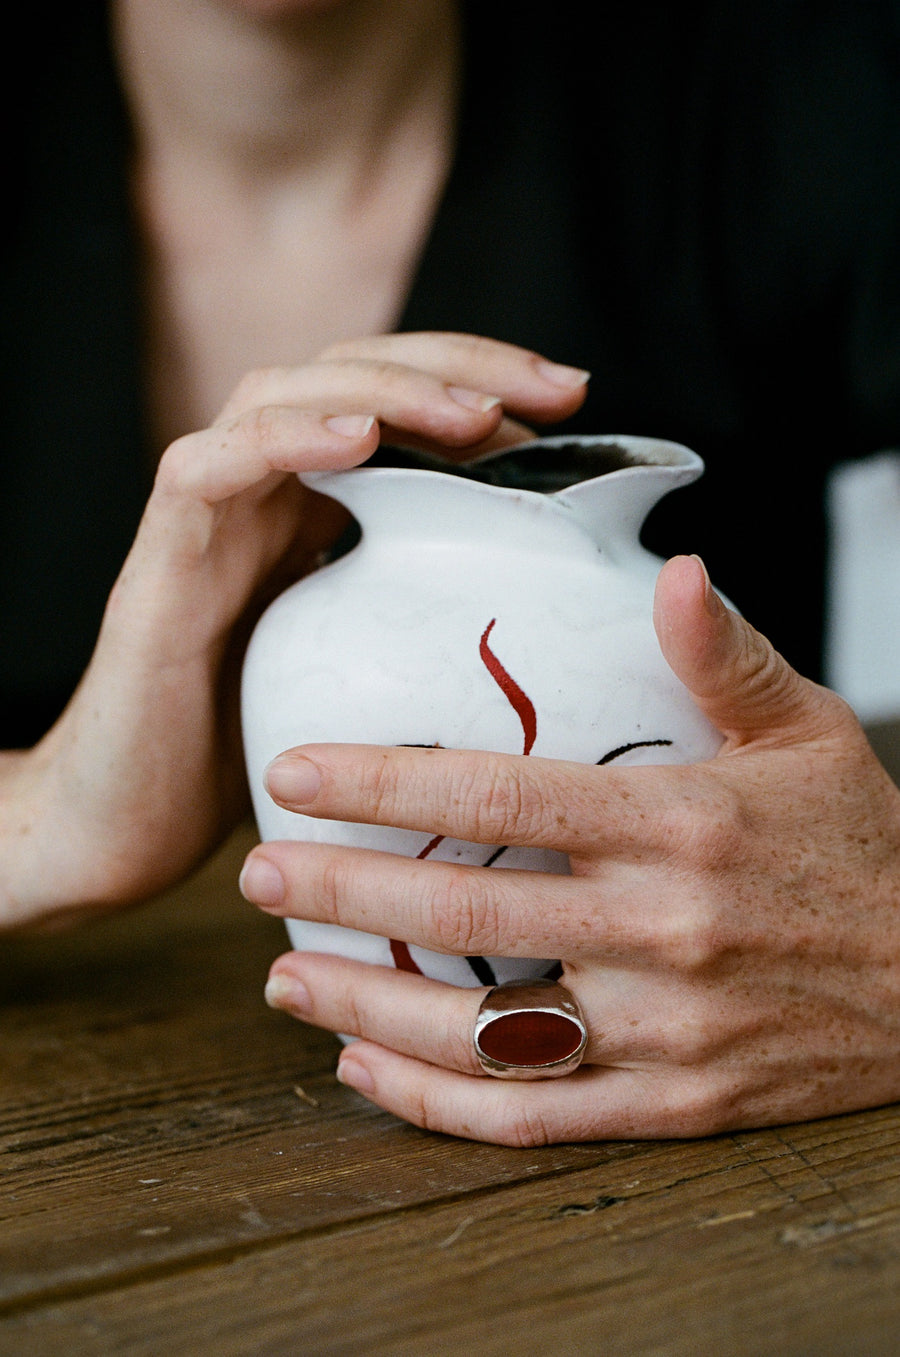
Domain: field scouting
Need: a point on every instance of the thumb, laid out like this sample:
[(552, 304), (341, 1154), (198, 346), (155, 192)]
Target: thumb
[(748, 690)]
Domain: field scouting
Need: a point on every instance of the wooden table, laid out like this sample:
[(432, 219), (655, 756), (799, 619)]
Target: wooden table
[(181, 1173)]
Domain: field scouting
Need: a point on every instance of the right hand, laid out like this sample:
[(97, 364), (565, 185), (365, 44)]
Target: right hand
[(143, 773)]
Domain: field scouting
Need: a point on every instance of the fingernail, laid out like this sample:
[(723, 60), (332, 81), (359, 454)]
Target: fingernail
[(291, 779), (354, 1075), (284, 992), (472, 400), (560, 375), (261, 882), (714, 605), (349, 426)]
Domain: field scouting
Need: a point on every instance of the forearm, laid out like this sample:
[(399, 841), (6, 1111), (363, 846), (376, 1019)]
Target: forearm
[(21, 853), (124, 795)]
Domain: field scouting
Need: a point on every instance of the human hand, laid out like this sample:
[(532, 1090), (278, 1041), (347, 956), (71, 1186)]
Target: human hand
[(144, 774), (731, 928)]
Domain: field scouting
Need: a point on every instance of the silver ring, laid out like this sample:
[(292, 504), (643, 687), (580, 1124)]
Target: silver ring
[(530, 1030)]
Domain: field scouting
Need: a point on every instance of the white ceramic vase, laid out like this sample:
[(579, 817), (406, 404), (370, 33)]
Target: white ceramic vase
[(475, 613)]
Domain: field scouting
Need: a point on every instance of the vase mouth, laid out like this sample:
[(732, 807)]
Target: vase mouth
[(543, 466)]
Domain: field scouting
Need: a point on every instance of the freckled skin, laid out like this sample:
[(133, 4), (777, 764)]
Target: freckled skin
[(731, 929)]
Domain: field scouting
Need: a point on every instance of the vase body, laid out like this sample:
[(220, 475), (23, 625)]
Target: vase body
[(475, 614)]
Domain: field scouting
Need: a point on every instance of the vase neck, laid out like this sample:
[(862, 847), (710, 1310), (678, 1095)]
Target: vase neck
[(391, 503), (559, 490), (612, 507)]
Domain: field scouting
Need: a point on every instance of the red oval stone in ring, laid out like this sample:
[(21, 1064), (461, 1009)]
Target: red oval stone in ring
[(529, 1037)]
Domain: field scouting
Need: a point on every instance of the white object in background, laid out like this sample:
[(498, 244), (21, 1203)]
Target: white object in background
[(863, 638), (475, 614)]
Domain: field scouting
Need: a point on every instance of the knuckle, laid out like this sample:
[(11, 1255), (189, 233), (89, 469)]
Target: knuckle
[(263, 426), (380, 790), (678, 825), (173, 473), (467, 348), (418, 1111), (708, 824), (425, 1109), (506, 804), (696, 1038), (335, 885), (522, 1129), (762, 672), (382, 375), (253, 386), (690, 941), (463, 913), (353, 1019), (498, 805), (340, 350)]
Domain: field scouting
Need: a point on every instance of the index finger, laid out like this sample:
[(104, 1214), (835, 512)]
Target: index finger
[(530, 385), (420, 366), (485, 797)]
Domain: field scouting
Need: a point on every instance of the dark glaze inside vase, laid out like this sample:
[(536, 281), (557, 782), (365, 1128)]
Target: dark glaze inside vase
[(546, 465)]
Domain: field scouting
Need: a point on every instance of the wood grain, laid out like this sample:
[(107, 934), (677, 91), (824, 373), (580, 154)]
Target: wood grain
[(181, 1173)]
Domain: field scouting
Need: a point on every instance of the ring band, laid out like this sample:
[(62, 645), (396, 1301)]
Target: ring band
[(531, 1030)]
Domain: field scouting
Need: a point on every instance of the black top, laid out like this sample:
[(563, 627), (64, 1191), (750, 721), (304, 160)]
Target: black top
[(701, 205)]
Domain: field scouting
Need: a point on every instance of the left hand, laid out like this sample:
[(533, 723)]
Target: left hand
[(143, 773), (731, 928)]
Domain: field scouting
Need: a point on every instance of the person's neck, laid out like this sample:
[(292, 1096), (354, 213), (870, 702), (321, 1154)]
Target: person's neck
[(257, 98)]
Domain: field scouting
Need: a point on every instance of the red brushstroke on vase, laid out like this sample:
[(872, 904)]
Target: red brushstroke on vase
[(523, 706), (520, 702), (402, 959)]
